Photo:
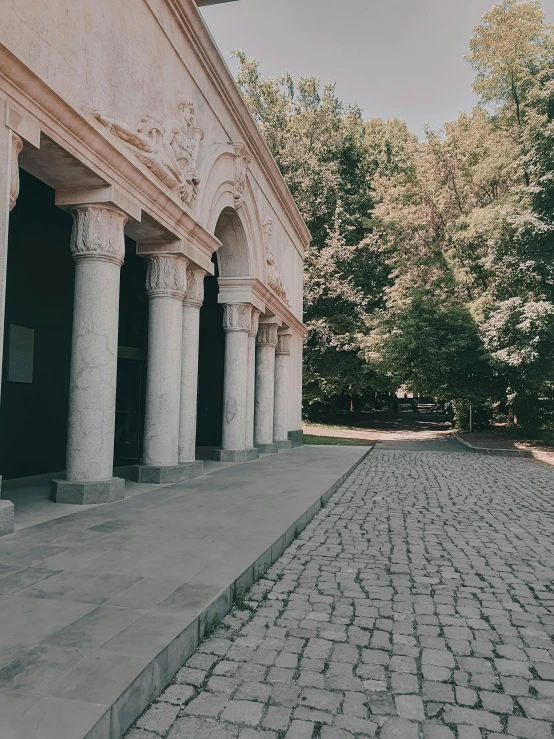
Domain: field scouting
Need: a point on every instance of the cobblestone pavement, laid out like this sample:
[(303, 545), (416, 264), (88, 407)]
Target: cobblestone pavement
[(419, 604)]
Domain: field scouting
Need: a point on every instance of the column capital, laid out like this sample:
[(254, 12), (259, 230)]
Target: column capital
[(195, 286), (237, 317), (283, 344), (267, 334), (255, 322), (166, 276), (17, 146), (98, 233)]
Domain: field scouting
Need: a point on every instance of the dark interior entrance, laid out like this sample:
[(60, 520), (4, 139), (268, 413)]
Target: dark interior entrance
[(211, 358)]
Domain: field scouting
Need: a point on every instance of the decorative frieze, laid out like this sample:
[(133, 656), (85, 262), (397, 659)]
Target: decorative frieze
[(195, 286), (169, 149), (267, 334), (237, 317), (17, 146), (274, 279), (166, 276), (283, 344), (98, 233), (242, 162)]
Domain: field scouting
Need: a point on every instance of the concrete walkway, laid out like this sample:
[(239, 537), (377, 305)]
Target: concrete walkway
[(418, 604), (99, 608)]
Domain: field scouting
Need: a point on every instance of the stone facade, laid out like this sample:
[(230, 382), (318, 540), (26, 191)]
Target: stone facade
[(180, 171)]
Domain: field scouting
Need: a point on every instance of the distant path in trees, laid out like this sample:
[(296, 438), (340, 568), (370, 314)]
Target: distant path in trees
[(403, 431)]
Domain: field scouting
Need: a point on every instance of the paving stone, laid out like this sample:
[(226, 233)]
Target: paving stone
[(416, 605)]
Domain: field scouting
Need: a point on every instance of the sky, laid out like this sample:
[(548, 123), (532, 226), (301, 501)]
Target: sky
[(394, 58)]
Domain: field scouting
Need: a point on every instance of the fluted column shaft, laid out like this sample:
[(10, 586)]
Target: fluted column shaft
[(166, 288), (251, 387), (266, 343), (98, 248), (189, 364), (280, 416)]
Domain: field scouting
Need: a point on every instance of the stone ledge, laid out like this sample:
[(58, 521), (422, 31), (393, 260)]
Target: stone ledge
[(296, 438), (6, 517), (87, 493), (164, 474), (228, 455), (267, 448), (496, 452)]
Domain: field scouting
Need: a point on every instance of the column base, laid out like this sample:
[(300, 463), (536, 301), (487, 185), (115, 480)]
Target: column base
[(267, 448), (6, 517), (296, 438), (228, 455), (282, 446), (164, 474), (87, 493)]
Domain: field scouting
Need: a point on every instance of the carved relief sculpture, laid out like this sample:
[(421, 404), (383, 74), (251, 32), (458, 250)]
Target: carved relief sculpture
[(169, 149), (17, 146), (237, 317), (274, 278), (166, 276), (242, 162), (195, 286)]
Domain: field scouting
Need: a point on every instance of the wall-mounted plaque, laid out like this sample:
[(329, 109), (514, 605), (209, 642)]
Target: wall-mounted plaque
[(21, 344)]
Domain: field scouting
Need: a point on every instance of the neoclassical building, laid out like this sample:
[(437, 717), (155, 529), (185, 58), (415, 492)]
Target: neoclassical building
[(151, 256)]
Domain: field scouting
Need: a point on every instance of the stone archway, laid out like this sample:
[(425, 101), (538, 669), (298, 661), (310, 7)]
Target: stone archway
[(231, 260)]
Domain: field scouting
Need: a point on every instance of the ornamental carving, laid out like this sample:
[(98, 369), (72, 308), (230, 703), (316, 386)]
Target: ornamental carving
[(169, 149), (98, 233), (17, 146), (267, 334), (283, 344), (166, 276), (237, 316), (195, 286), (274, 279), (242, 162), (254, 323)]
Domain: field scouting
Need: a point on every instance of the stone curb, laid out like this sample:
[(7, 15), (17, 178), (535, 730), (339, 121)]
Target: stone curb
[(502, 452), (132, 702)]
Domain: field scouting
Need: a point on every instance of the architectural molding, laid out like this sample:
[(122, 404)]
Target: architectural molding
[(237, 317), (166, 277), (267, 334), (274, 279), (195, 286), (255, 322), (169, 149), (283, 344), (98, 233), (242, 162), (17, 146)]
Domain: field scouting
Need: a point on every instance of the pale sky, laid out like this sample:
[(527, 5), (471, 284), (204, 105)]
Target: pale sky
[(394, 58)]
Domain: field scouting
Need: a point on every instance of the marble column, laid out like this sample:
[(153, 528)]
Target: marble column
[(189, 369), (237, 322), (266, 343), (166, 281), (98, 248), (251, 387), (10, 148), (280, 415)]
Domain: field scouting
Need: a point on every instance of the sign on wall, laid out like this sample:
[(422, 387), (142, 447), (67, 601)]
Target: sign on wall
[(21, 345)]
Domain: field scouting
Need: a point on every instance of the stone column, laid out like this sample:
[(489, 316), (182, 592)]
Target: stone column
[(189, 369), (265, 387), (280, 416), (166, 281), (237, 322), (10, 147), (98, 248), (251, 388)]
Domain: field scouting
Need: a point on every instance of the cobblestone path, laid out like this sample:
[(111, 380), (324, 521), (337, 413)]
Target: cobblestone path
[(419, 604)]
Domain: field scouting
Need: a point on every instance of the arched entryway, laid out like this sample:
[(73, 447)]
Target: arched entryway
[(231, 260)]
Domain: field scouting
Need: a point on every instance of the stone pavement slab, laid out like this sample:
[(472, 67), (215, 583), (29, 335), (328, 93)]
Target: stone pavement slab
[(99, 608), (418, 604)]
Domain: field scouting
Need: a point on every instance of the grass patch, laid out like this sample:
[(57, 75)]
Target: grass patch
[(335, 441)]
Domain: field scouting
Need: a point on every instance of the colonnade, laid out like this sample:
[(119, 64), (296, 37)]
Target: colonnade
[(256, 351)]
